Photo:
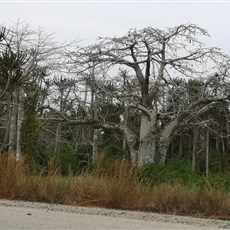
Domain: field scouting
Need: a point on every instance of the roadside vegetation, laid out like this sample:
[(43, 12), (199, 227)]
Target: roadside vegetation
[(173, 189)]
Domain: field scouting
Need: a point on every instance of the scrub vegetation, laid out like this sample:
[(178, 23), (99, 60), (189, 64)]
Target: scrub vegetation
[(172, 189)]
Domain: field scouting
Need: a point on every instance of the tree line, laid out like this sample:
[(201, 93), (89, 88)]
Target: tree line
[(143, 97)]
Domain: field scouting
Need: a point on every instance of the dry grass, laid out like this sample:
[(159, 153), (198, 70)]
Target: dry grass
[(112, 188)]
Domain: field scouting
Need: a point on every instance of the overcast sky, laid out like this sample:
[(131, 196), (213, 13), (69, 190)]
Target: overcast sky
[(88, 20)]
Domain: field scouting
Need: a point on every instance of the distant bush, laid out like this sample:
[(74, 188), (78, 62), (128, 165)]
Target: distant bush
[(220, 181), (175, 170), (111, 154)]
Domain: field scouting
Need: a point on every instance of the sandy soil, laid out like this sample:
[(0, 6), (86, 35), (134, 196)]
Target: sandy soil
[(29, 215)]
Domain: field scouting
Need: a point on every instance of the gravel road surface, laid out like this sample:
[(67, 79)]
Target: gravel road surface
[(29, 215)]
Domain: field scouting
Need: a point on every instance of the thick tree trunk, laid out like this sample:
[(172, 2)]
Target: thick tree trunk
[(153, 147), (163, 141), (132, 143), (163, 144), (147, 146), (147, 149)]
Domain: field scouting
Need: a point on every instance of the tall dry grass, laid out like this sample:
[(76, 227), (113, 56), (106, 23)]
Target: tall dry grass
[(115, 187)]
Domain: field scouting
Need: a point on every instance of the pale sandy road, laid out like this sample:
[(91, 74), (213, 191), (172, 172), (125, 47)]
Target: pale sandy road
[(25, 215), (18, 218)]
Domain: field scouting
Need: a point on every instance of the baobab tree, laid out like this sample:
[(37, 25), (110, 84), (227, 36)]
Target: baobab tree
[(154, 58)]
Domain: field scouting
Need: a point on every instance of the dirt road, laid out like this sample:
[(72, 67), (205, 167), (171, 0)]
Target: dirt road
[(27, 215)]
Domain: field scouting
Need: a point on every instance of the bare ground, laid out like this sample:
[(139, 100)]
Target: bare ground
[(30, 215)]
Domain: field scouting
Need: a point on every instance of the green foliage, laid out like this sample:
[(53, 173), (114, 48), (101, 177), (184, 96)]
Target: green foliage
[(110, 137), (176, 170), (40, 159), (115, 110), (194, 88), (219, 162), (220, 181), (31, 129), (11, 64), (68, 161), (74, 161), (112, 153), (83, 156)]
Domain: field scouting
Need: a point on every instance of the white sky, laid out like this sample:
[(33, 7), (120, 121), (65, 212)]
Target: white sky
[(88, 20)]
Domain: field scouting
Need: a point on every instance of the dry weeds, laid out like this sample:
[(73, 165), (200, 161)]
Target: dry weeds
[(118, 187)]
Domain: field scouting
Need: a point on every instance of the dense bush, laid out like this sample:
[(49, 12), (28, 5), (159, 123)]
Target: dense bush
[(220, 181), (176, 170), (113, 153)]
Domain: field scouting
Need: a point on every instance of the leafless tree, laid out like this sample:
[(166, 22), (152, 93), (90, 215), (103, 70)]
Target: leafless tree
[(155, 58)]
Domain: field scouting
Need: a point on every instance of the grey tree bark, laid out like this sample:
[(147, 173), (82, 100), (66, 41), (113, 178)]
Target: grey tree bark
[(180, 145), (207, 155), (194, 146), (94, 104), (147, 148), (57, 145), (227, 134), (20, 113), (13, 123)]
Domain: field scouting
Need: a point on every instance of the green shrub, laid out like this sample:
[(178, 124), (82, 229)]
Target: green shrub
[(68, 162), (113, 153), (220, 181), (176, 170)]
